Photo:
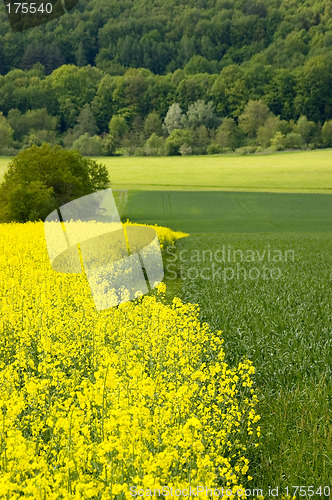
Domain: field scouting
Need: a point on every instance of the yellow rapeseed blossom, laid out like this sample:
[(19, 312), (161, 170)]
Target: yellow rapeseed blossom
[(165, 235), (93, 403)]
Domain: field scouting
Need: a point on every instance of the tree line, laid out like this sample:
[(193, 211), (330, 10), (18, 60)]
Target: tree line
[(139, 113)]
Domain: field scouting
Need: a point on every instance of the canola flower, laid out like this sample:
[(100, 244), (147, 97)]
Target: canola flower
[(166, 236), (92, 403)]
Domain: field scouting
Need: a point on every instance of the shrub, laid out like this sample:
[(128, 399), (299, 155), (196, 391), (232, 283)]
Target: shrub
[(32, 120), (245, 150), (213, 149), (38, 137), (89, 146), (294, 140), (177, 138), (185, 150), (109, 144), (267, 131), (41, 179), (9, 150), (139, 151), (229, 135), (154, 146), (307, 130), (278, 142)]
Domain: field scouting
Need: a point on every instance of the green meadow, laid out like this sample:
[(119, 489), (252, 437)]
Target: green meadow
[(270, 296), (231, 211), (303, 171)]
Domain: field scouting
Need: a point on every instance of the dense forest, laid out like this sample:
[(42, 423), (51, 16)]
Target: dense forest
[(163, 35), (166, 77)]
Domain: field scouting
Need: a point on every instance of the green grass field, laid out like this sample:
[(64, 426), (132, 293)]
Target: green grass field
[(305, 171), (276, 310), (231, 212)]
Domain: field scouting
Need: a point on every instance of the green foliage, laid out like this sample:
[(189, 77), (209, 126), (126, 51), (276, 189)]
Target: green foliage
[(176, 139), (131, 92), (327, 133), (109, 144), (162, 36), (89, 145), (118, 127), (253, 117), (199, 140), (26, 201), (86, 123), (246, 150), (199, 64), (73, 88), (185, 149), (6, 133), (154, 146), (33, 127), (174, 119), (103, 104), (294, 140), (280, 93), (230, 91), (40, 179), (190, 90), (229, 135), (314, 85), (278, 141), (26, 90), (307, 130), (152, 58), (38, 137), (267, 131), (152, 124), (201, 113)]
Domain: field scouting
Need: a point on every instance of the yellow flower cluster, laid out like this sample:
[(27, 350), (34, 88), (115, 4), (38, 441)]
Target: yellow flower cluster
[(95, 403), (165, 235)]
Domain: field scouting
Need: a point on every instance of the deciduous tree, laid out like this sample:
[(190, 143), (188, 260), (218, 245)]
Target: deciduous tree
[(41, 179)]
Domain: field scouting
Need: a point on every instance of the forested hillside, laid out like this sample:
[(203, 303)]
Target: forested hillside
[(163, 35), (201, 62)]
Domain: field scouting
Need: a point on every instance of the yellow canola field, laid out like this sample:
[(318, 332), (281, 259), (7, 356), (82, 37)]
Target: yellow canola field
[(94, 404)]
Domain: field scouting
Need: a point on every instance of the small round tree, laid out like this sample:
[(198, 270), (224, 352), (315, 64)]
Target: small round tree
[(42, 178)]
